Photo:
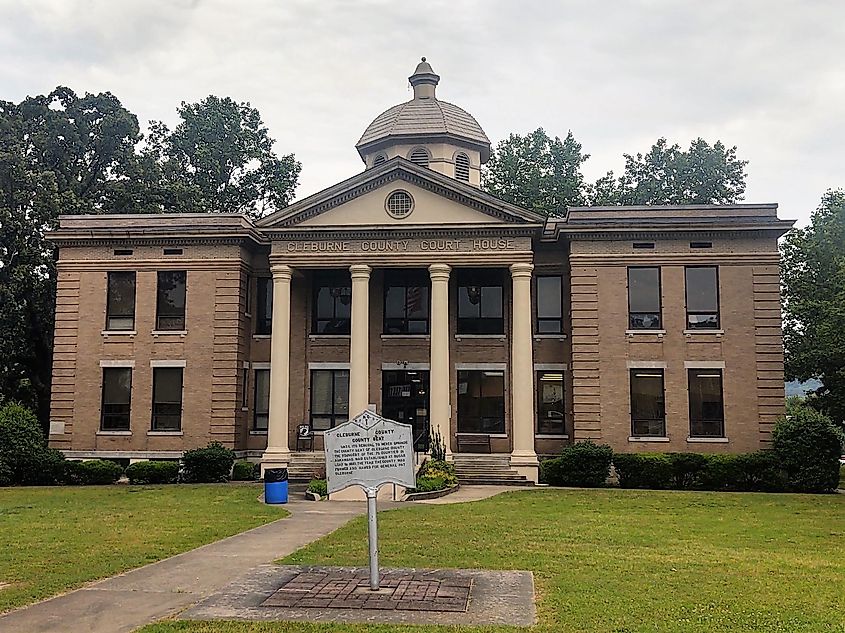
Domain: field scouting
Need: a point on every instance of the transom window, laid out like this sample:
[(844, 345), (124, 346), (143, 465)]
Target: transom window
[(332, 309), (419, 156), (329, 398), (261, 415), (406, 294), (549, 304), (399, 204), (550, 403), (702, 290), (648, 408), (120, 301), (481, 401), (170, 300), (462, 167), (706, 405), (264, 309), (116, 399), (480, 303), (644, 311), (167, 399)]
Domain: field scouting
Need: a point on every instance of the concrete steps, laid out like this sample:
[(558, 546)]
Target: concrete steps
[(487, 469), (305, 466)]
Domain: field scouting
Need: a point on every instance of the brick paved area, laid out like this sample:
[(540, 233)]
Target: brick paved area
[(438, 590)]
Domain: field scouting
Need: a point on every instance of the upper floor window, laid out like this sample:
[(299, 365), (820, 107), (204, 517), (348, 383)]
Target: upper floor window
[(549, 304), (648, 404), (480, 304), (706, 407), (462, 167), (167, 399), (550, 414), (264, 307), (332, 309), (481, 401), (329, 398), (406, 302), (116, 399), (120, 301), (379, 160), (170, 301), (702, 289), (419, 155), (262, 400), (644, 299)]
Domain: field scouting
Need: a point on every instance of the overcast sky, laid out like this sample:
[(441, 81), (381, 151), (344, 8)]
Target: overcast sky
[(765, 75)]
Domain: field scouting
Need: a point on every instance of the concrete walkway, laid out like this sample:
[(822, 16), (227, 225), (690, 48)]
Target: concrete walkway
[(128, 601)]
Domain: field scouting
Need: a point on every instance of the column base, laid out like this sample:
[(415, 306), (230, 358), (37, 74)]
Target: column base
[(274, 458), (526, 463)]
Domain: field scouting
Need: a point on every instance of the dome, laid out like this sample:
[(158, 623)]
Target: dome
[(424, 116)]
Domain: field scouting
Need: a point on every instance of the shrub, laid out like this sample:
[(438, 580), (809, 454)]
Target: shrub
[(211, 464), (760, 472), (153, 473), (720, 472), (430, 484), (318, 486), (5, 474), (808, 448), (439, 469), (643, 470), (94, 472), (244, 471), (584, 464), (686, 469), (24, 449)]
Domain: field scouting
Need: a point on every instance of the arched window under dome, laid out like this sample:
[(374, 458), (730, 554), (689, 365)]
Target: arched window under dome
[(462, 167), (419, 156), (379, 160)]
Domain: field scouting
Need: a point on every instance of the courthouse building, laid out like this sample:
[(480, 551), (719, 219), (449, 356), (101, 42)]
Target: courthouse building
[(408, 289)]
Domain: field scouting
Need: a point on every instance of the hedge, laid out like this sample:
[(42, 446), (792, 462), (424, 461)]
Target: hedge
[(94, 472), (584, 464), (438, 469), (245, 471), (211, 464), (153, 472), (24, 451), (430, 484)]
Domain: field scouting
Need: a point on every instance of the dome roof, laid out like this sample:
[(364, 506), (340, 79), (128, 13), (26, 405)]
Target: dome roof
[(424, 115)]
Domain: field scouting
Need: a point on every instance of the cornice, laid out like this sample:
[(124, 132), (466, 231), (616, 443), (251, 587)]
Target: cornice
[(445, 231), (97, 240), (681, 232)]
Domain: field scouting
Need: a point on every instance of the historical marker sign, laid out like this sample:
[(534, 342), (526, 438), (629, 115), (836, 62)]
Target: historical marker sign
[(369, 451)]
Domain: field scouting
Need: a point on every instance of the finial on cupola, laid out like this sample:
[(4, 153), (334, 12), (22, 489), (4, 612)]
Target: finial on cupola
[(424, 80)]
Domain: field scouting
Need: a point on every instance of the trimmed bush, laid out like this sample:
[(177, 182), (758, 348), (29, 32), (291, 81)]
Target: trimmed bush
[(244, 471), (721, 472), (643, 470), (211, 464), (438, 469), (318, 486), (584, 464), (23, 448), (686, 469), (431, 484), (760, 472), (153, 473), (808, 448), (97, 472)]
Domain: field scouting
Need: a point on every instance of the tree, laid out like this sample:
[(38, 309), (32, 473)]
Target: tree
[(220, 159), (703, 174), (537, 172), (813, 269)]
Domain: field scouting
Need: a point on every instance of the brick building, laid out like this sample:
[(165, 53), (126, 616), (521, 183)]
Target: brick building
[(409, 289)]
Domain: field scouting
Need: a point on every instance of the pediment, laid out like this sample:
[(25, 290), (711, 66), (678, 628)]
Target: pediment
[(438, 200)]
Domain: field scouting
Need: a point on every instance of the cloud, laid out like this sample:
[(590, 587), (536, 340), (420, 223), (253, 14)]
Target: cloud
[(763, 75)]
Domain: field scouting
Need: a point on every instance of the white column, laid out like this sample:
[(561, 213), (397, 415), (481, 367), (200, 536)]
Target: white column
[(277, 453), (523, 457), (359, 344), (439, 389)]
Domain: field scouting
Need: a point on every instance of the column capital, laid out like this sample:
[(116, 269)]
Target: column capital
[(439, 271), (521, 269), (360, 271), (281, 271)]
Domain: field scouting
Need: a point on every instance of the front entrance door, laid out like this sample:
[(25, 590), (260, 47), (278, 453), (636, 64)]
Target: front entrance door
[(405, 399)]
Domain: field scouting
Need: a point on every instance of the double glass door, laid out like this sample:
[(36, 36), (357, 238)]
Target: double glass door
[(405, 400)]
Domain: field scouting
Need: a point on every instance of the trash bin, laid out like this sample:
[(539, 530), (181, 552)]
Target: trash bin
[(276, 485)]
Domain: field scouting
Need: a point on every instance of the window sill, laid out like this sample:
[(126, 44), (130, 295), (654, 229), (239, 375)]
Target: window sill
[(254, 432), (551, 437), (657, 333), (494, 435), (647, 439), (707, 440), (114, 433), (560, 337), (119, 332), (391, 337), (262, 336), (174, 433), (500, 337), (697, 332), (181, 333)]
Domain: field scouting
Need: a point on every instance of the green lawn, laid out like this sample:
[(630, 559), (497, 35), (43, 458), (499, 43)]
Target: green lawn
[(617, 561), (55, 539)]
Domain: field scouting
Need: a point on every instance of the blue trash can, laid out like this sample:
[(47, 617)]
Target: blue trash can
[(276, 485)]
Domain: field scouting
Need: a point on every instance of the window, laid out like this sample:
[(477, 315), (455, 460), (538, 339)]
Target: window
[(648, 415), (120, 301), (329, 398), (549, 304), (264, 316), (399, 204), (170, 302), (262, 400), (167, 399), (123, 251), (244, 388), (706, 407), (332, 303), (419, 156), (462, 167), (117, 399), (701, 244), (406, 302), (248, 295), (702, 284), (380, 159), (644, 299), (480, 302), (644, 245), (481, 401), (172, 251), (550, 413)]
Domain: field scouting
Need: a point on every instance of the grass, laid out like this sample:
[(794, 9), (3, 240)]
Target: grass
[(56, 539), (617, 561)]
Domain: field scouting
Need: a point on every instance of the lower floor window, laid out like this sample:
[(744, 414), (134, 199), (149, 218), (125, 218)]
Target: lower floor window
[(117, 399), (550, 417), (262, 400), (167, 399), (706, 407), (481, 401), (648, 409), (329, 398)]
